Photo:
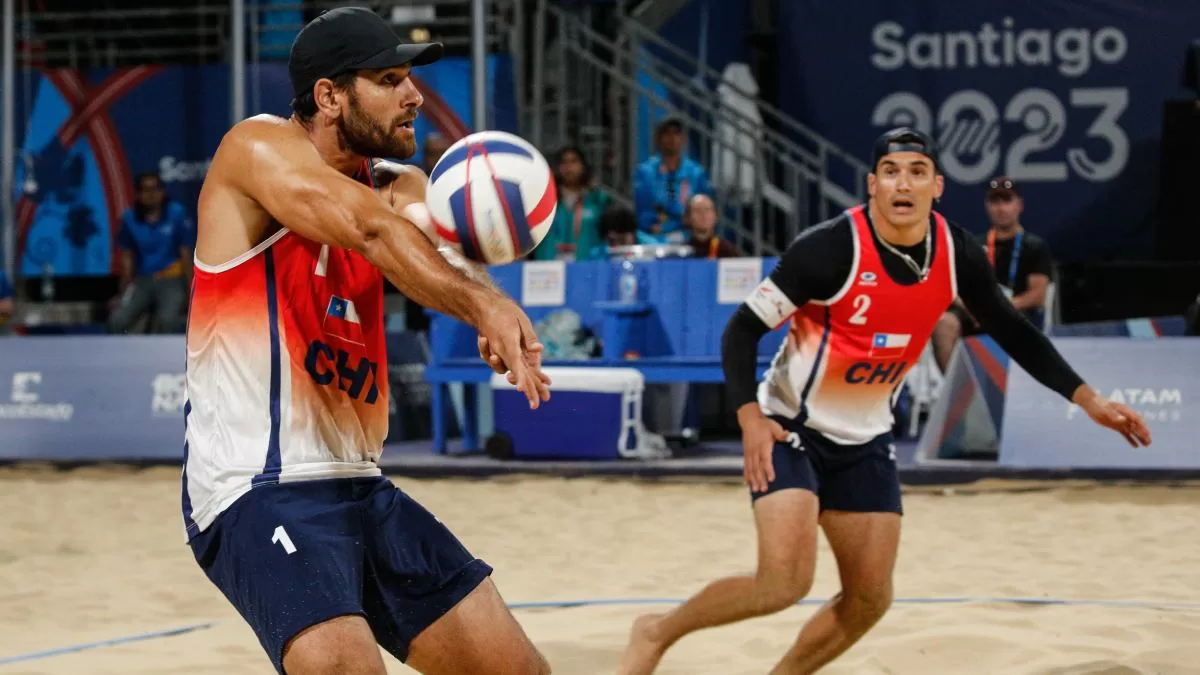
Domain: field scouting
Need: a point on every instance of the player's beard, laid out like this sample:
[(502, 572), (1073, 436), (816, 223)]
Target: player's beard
[(365, 136)]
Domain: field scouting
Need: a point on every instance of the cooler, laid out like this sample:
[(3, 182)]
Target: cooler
[(593, 413)]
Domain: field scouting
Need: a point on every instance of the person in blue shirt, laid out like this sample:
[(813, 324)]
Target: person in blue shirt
[(156, 241), (6, 301), (665, 182)]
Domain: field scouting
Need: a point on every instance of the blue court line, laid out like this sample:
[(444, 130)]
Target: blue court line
[(103, 643), (598, 602), (1062, 602)]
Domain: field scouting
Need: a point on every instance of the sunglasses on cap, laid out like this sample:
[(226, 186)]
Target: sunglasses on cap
[(1005, 184)]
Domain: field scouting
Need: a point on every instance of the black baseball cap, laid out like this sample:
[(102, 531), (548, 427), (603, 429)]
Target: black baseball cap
[(1002, 185), (903, 139), (346, 39)]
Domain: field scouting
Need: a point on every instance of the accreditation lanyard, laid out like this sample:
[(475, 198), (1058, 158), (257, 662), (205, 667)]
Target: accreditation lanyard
[(1016, 254)]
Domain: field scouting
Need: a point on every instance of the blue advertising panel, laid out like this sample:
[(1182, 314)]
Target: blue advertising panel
[(1158, 378), (1064, 96), (111, 398), (92, 398)]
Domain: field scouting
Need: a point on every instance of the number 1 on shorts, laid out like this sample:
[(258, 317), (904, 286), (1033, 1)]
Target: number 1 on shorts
[(281, 537)]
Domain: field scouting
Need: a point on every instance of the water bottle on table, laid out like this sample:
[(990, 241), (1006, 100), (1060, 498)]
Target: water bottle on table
[(628, 283)]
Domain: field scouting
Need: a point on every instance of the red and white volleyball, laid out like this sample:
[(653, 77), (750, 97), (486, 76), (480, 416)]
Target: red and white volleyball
[(492, 196)]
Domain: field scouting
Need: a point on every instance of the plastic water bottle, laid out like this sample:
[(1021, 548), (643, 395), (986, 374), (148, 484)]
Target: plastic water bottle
[(628, 283), (47, 283)]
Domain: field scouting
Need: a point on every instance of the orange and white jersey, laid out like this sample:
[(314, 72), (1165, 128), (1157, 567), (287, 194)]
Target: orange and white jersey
[(286, 372), (845, 357)]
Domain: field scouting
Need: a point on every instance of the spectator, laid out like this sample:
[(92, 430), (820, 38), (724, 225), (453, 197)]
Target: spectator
[(435, 146), (663, 184), (1020, 260), (6, 303), (701, 219), (575, 233), (155, 240), (619, 227)]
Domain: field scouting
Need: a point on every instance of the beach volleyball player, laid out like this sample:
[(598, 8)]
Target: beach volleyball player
[(285, 507), (863, 293)]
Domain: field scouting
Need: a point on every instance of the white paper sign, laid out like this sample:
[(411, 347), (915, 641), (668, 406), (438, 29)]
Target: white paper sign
[(544, 283), (737, 278)]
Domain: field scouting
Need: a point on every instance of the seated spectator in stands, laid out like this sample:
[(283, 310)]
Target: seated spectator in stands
[(663, 184), (156, 241), (575, 233), (701, 219), (1020, 260), (619, 227), (6, 302), (433, 148)]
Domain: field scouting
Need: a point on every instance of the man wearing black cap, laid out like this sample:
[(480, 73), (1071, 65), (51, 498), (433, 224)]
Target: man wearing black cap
[(284, 504), (664, 183), (1020, 260), (862, 293)]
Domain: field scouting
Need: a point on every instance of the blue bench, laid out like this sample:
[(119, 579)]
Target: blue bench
[(675, 330)]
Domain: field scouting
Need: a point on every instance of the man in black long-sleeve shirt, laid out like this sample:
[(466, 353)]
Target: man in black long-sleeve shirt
[(862, 293)]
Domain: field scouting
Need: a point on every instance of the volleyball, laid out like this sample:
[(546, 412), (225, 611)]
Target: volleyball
[(492, 196)]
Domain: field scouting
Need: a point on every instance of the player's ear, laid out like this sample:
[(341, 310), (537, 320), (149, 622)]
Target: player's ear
[(325, 95), (940, 180), (871, 184)]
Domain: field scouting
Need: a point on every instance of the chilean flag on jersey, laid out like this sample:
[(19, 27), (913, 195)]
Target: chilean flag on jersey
[(341, 321), (888, 345)]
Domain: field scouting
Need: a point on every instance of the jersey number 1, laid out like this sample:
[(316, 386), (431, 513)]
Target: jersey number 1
[(861, 304), (281, 537)]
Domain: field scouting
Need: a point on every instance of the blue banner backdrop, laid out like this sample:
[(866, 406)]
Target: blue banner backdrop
[(1064, 96), (84, 135)]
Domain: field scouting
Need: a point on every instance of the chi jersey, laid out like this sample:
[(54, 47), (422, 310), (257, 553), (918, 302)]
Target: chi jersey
[(286, 371), (845, 358)]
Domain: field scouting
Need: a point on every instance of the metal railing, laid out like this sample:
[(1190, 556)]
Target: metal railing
[(200, 31), (601, 93), (102, 37)]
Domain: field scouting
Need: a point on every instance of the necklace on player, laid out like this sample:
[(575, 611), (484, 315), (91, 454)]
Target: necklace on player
[(922, 271)]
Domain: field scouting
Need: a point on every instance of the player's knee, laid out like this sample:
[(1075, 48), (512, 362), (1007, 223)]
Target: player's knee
[(542, 666), (778, 592), (341, 646), (341, 661), (866, 606)]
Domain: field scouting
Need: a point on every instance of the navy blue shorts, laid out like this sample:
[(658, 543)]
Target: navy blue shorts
[(292, 555), (859, 478)]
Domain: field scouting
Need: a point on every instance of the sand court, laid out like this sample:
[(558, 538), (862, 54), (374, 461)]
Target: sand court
[(97, 554)]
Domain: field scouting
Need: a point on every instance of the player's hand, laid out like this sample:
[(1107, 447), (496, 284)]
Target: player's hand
[(533, 355), (1118, 417), (508, 344), (759, 436)]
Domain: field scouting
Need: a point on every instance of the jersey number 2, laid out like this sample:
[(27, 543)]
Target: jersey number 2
[(861, 304), (281, 537)]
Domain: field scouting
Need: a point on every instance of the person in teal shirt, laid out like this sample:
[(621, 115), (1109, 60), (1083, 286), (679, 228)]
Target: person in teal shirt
[(575, 232)]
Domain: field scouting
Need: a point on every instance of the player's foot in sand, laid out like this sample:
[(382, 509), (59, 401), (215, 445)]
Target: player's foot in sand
[(645, 648)]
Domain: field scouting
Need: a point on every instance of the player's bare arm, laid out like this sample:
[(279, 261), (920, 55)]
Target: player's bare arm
[(402, 186), (1029, 347), (270, 166)]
